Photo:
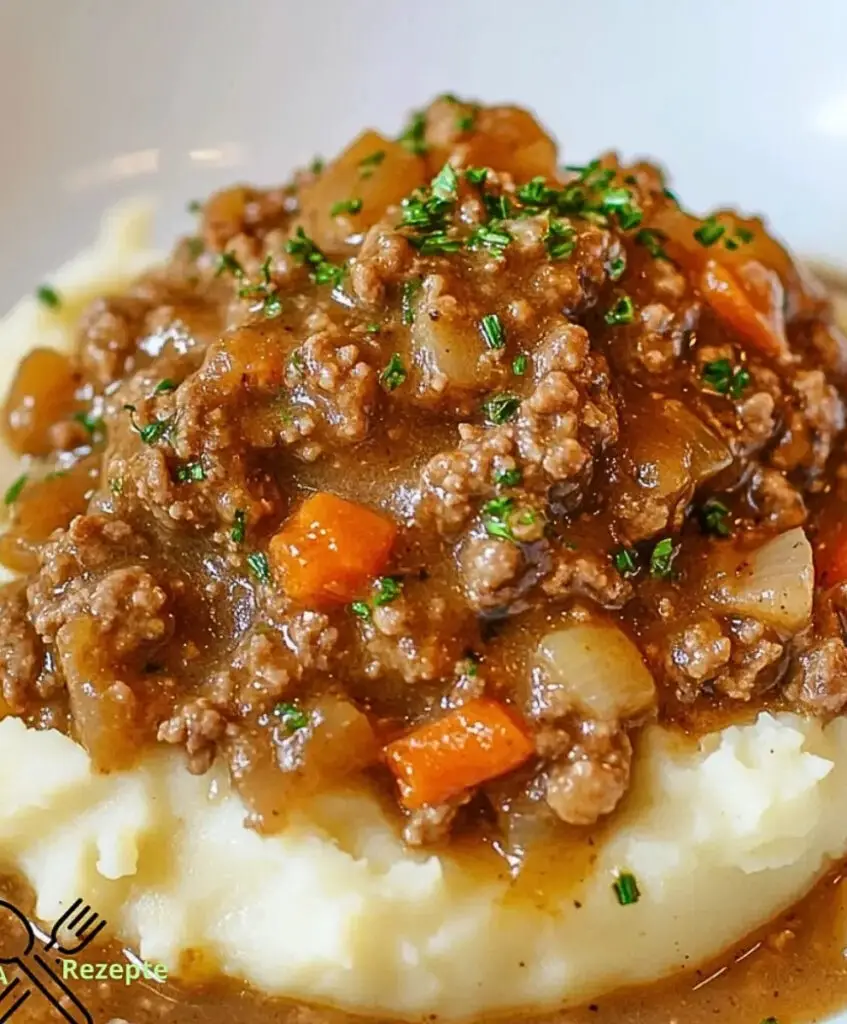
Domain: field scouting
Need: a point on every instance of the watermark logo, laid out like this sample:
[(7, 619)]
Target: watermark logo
[(43, 965)]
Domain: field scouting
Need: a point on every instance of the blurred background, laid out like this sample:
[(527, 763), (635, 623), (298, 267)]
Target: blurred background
[(744, 100)]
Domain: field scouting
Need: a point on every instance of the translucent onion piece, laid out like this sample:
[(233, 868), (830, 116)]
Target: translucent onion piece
[(594, 670), (774, 583)]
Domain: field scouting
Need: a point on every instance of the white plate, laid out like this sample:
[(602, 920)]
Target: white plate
[(744, 102)]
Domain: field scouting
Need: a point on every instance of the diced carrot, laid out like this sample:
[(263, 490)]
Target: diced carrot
[(736, 304), (478, 741), (330, 548)]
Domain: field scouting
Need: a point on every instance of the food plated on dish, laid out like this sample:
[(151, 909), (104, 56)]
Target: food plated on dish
[(426, 591)]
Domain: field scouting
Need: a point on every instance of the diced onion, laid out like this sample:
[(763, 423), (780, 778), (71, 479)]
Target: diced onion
[(592, 669), (774, 583)]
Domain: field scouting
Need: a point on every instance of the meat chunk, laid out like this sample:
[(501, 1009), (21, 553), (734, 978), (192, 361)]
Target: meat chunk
[(198, 726), (776, 501), (21, 655), (489, 568), (818, 680), (430, 824), (696, 654), (591, 779), (574, 574)]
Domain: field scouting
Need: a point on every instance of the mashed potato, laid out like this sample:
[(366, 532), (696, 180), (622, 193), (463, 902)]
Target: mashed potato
[(720, 837)]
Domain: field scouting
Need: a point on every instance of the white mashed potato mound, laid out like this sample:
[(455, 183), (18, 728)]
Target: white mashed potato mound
[(720, 836)]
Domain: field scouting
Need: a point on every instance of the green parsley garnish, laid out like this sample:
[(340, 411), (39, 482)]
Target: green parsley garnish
[(151, 432), (652, 240), (626, 889), (625, 561), (709, 232), (362, 610), (493, 331), (770, 1020), (116, 486), (48, 296), (537, 193), (412, 137), (508, 477), (14, 491), (227, 263), (559, 240), (445, 183), (662, 558), (292, 717), (317, 165), (476, 175), (373, 328), (466, 121), (345, 206), (714, 518), (190, 472), (164, 385), (195, 247), (519, 364), (408, 298), (491, 236), (394, 373), (623, 312), (194, 206), (741, 236), (304, 250), (616, 268), (501, 408), (495, 518), (722, 377), (239, 526), (264, 291), (369, 162), (388, 589), (91, 423), (259, 566), (668, 194)]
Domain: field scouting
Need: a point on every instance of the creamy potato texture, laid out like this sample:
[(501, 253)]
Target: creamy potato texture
[(720, 837)]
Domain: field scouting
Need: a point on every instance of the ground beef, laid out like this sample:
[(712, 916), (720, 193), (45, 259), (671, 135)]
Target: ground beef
[(591, 779), (696, 654), (578, 574), (381, 262), (818, 679), (776, 501), (198, 726), (21, 654), (489, 568), (432, 824)]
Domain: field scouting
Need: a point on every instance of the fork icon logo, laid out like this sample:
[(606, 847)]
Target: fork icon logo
[(74, 930)]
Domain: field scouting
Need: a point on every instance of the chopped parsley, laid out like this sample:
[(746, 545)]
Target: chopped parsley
[(239, 526), (651, 240), (368, 163), (709, 232), (153, 431), (721, 376), (559, 240), (345, 206), (116, 486), (194, 206), (412, 136), (292, 717), (445, 184), (394, 373), (770, 1020), (466, 121), (317, 165), (519, 364), (304, 250), (91, 423), (714, 518), (616, 268), (259, 566), (501, 408), (408, 299), (741, 236), (625, 561), (537, 193), (626, 889), (388, 589), (493, 331), (373, 328), (476, 175), (492, 236), (508, 477), (14, 491), (623, 312), (264, 291), (662, 559), (48, 296), (195, 247), (227, 263), (190, 472), (362, 610), (495, 518), (164, 385)]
